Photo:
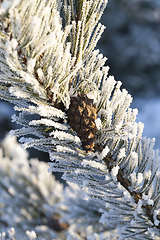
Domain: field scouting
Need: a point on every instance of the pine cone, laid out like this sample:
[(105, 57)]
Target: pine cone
[(81, 117)]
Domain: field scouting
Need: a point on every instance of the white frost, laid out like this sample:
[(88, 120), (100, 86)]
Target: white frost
[(30, 64), (150, 202), (92, 95), (65, 136), (17, 92), (147, 174), (151, 231), (134, 156), (114, 172), (156, 221), (48, 111), (126, 194), (98, 123), (4, 6), (139, 178), (94, 164), (133, 177), (35, 25), (64, 149), (121, 153), (48, 122), (11, 45), (118, 126), (104, 153), (145, 197)]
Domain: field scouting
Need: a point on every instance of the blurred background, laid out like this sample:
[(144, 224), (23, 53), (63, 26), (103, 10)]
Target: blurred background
[(131, 42)]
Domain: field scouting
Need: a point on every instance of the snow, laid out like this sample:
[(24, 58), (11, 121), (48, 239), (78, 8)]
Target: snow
[(139, 178), (147, 175), (98, 123), (126, 194), (4, 6), (156, 222), (151, 231), (134, 157), (30, 64), (103, 153), (94, 164), (156, 212), (121, 153), (65, 136), (150, 202), (36, 23), (145, 197), (50, 73), (114, 172), (48, 122)]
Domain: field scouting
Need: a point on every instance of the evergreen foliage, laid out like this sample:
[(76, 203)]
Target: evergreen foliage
[(28, 195), (48, 56)]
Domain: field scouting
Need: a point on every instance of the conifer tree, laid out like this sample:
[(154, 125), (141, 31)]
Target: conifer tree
[(69, 107)]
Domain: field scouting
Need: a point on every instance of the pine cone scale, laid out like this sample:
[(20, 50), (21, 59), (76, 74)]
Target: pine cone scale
[(81, 117), (85, 121), (77, 118)]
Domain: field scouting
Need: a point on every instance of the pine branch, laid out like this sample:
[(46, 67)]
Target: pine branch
[(49, 67), (126, 184), (28, 194)]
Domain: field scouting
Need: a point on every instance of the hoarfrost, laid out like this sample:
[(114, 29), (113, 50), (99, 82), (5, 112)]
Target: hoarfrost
[(4, 6), (121, 153), (150, 202), (48, 122), (94, 164), (65, 136), (114, 172), (139, 178), (104, 153), (35, 25), (30, 64), (11, 45), (64, 149), (98, 123)]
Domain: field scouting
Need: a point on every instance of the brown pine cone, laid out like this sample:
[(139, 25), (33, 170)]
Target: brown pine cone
[(81, 117)]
